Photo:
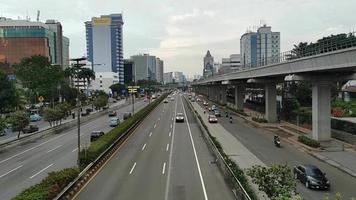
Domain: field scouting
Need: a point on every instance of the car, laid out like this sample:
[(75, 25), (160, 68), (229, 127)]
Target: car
[(165, 101), (127, 115), (192, 100), (35, 118), (112, 113), (179, 117), (213, 107), (2, 133), (311, 176), (30, 128), (89, 110), (85, 113), (96, 135), (205, 103), (172, 98), (105, 107), (114, 121), (212, 119), (217, 113)]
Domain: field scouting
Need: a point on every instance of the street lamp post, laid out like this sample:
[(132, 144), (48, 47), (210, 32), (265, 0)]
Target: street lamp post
[(77, 66)]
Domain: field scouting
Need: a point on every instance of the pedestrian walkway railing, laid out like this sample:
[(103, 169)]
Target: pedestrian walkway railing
[(230, 178)]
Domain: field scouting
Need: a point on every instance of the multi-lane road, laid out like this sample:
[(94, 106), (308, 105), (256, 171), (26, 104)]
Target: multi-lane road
[(26, 165), (162, 159), (260, 143)]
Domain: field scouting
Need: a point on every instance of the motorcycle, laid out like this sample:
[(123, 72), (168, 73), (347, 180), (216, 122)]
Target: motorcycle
[(277, 141), (230, 119)]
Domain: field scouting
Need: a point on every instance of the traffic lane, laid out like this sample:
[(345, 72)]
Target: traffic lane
[(184, 181), (20, 170), (115, 175), (215, 184), (260, 143), (42, 124)]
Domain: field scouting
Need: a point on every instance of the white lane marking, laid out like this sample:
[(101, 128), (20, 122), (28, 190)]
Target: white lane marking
[(172, 118), (167, 147), (195, 154), (144, 146), (54, 148), (133, 167), (159, 119), (164, 167), (171, 126), (75, 149), (10, 171), (11, 157), (150, 134), (41, 171), (170, 133), (170, 160), (154, 126)]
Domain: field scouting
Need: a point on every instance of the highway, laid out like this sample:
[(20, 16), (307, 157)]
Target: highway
[(260, 143), (26, 165), (162, 159)]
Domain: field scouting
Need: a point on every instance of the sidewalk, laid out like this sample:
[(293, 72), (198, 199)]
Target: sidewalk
[(69, 119), (232, 147)]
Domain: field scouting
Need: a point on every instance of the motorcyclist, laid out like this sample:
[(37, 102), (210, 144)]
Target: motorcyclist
[(230, 119), (226, 114), (276, 140)]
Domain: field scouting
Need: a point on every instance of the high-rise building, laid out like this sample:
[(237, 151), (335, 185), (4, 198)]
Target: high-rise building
[(104, 43), (233, 63), (56, 27), (208, 69), (24, 38), (179, 77), (145, 67), (129, 71), (159, 70), (65, 53), (260, 48)]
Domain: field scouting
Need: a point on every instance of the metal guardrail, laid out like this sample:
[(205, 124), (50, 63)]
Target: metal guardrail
[(72, 188), (238, 190)]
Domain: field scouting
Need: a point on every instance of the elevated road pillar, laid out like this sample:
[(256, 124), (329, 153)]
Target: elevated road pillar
[(321, 111), (271, 102), (239, 96), (222, 94)]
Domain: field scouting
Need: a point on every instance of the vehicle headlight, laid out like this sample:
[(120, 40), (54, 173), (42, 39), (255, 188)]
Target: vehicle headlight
[(327, 182)]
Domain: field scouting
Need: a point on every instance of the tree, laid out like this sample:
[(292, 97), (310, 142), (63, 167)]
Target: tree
[(86, 74), (18, 120), (9, 97), (2, 125), (100, 101), (276, 181), (37, 74), (117, 88)]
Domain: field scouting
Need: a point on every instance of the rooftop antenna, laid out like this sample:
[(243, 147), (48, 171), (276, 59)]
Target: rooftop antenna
[(38, 15)]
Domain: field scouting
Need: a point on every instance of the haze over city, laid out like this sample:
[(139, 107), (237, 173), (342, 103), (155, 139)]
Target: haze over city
[(180, 32)]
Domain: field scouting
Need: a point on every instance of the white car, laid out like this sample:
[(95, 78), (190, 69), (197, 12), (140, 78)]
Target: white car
[(212, 119), (179, 117)]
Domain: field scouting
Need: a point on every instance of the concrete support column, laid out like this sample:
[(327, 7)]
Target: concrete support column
[(321, 111), (271, 102), (222, 96), (216, 93), (239, 96)]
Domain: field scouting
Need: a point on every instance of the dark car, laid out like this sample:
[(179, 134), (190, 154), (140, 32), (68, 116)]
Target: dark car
[(112, 113), (126, 115), (311, 177), (95, 135), (179, 117), (89, 110), (30, 128), (217, 113), (85, 113)]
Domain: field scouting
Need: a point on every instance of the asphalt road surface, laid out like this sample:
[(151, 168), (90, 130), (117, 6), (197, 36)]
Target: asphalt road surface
[(26, 165), (260, 143), (160, 160)]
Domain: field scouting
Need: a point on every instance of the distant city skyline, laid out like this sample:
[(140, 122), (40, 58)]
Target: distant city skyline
[(180, 32)]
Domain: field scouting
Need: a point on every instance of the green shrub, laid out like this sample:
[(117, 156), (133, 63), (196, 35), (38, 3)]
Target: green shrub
[(308, 141), (50, 186), (259, 120), (99, 146)]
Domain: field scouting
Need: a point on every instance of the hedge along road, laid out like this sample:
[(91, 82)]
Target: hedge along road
[(26, 165), (160, 161)]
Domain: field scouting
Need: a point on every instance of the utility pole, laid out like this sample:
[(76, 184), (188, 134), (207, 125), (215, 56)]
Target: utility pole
[(77, 66)]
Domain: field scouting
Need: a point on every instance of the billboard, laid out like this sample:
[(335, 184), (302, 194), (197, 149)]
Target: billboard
[(101, 21)]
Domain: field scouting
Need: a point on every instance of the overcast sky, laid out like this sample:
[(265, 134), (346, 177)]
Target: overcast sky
[(181, 31)]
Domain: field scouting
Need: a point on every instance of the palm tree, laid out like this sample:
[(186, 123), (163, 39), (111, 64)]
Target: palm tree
[(86, 74)]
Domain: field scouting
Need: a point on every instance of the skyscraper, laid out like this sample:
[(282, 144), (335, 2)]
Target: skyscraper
[(208, 65), (105, 44), (260, 48), (145, 67), (159, 70), (56, 27)]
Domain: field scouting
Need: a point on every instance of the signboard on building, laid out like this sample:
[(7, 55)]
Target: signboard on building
[(101, 21)]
